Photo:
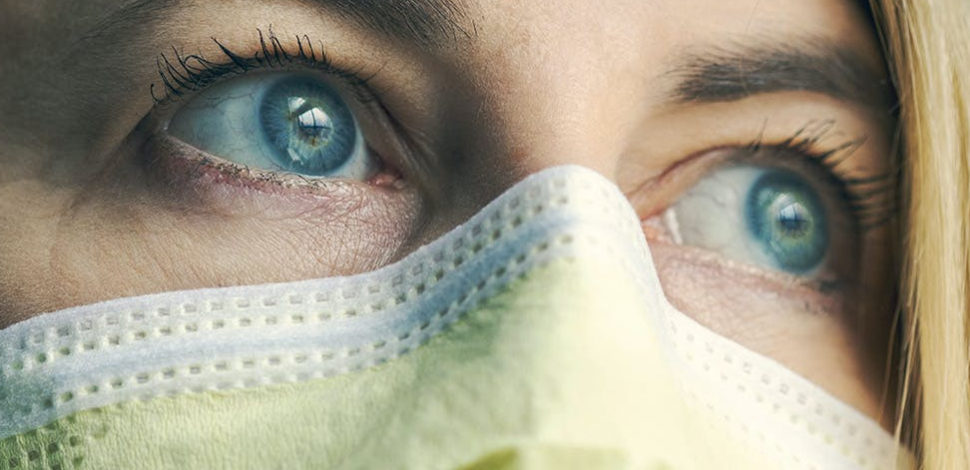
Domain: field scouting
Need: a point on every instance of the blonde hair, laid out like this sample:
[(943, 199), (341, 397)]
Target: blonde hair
[(928, 51)]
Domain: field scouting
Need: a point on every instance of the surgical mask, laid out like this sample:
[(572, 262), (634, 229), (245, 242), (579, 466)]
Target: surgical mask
[(534, 336)]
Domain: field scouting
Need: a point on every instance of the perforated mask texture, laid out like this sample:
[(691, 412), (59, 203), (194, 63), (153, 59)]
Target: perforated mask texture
[(221, 341)]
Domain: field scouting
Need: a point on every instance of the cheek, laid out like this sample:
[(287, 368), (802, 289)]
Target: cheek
[(795, 325), (144, 236)]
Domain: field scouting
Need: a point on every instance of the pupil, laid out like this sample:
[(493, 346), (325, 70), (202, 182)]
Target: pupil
[(792, 219), (786, 218), (308, 127), (312, 123)]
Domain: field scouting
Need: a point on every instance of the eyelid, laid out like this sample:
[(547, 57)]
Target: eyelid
[(868, 198), (185, 74), (843, 228), (368, 88), (182, 76)]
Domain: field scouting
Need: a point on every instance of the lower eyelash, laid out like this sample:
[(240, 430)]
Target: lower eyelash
[(184, 73), (871, 199)]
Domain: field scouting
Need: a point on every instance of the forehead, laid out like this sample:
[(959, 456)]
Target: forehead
[(618, 50), (693, 20), (651, 31), (650, 24)]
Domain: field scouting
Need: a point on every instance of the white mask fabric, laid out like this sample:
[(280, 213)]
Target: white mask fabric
[(536, 335)]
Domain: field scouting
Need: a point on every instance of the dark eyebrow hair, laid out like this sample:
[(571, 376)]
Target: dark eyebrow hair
[(735, 72)]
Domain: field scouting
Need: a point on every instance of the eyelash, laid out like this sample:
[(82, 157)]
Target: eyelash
[(869, 199), (182, 74)]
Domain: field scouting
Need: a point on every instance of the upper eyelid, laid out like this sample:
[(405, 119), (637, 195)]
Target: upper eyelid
[(364, 88), (806, 149), (181, 74), (869, 206), (871, 198)]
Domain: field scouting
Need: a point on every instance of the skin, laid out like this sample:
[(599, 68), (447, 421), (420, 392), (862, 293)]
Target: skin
[(98, 202)]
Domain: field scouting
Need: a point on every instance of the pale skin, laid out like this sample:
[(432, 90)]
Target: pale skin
[(96, 202)]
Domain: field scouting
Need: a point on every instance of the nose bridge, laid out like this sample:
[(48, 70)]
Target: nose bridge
[(531, 107), (512, 150), (571, 121)]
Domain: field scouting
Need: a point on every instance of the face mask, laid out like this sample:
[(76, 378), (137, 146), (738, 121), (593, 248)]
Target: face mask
[(535, 336)]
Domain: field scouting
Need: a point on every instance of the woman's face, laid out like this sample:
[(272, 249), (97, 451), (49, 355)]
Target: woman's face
[(161, 145)]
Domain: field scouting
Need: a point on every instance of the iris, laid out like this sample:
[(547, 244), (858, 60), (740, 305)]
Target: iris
[(309, 129), (278, 122), (787, 219)]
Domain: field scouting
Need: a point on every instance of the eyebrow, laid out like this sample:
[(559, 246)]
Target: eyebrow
[(702, 75), (739, 71)]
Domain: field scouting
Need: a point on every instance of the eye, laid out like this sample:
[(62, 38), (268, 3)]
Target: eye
[(771, 217), (786, 218), (294, 123)]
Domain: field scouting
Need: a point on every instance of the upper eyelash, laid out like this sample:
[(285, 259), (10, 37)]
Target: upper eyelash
[(185, 73), (871, 199)]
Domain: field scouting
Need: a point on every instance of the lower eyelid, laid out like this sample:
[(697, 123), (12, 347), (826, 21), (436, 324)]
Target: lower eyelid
[(823, 295), (197, 179)]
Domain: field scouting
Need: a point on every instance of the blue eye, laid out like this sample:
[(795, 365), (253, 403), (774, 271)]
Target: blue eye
[(280, 122), (765, 216), (784, 214)]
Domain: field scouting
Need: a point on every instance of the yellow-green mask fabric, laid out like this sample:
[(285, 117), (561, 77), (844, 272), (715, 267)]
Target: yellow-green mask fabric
[(535, 336)]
